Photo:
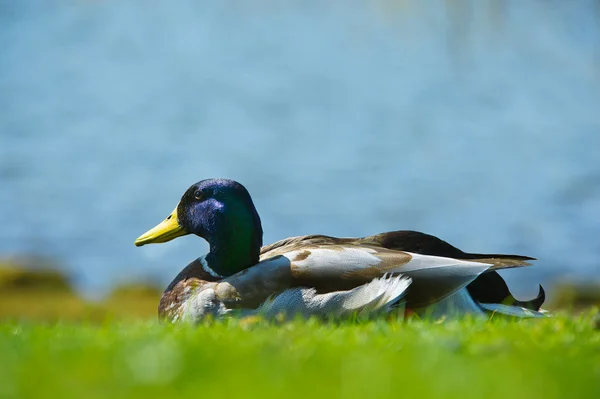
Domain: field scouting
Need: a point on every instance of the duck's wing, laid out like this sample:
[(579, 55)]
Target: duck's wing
[(348, 265), (376, 297), (333, 264), (401, 240)]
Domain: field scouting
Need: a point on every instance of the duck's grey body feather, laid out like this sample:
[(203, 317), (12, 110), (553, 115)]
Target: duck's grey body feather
[(375, 297)]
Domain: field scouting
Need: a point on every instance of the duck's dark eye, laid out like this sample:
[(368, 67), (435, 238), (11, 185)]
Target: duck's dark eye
[(198, 195)]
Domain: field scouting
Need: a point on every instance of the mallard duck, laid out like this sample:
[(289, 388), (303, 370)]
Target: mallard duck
[(310, 272)]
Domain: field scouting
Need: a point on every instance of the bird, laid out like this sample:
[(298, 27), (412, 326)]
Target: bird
[(417, 272)]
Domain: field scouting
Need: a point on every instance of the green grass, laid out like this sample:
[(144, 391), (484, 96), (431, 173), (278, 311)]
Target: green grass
[(550, 358)]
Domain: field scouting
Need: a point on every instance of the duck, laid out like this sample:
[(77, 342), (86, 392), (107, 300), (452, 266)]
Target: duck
[(319, 275)]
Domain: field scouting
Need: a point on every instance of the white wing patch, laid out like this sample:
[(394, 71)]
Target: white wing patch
[(424, 262), (379, 294), (375, 297), (331, 259)]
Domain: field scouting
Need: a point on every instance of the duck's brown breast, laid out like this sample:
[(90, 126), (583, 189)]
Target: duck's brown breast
[(187, 281)]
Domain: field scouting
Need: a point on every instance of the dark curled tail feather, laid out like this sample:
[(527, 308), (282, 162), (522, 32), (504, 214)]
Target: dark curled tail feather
[(535, 303), (491, 288)]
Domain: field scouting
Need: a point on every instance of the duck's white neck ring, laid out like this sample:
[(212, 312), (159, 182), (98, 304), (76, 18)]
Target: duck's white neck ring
[(207, 268)]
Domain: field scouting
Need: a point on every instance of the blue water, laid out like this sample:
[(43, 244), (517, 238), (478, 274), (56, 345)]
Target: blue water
[(476, 121)]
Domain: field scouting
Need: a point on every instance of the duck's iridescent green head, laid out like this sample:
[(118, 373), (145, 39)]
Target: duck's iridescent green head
[(222, 212)]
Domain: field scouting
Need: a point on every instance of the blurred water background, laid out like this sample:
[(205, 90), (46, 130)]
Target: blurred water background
[(476, 121)]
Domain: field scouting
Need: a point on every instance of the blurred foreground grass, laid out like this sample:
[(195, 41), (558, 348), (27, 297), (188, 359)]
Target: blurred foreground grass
[(550, 358)]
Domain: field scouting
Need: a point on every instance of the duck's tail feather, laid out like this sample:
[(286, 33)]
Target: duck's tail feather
[(499, 261), (533, 304), (490, 287)]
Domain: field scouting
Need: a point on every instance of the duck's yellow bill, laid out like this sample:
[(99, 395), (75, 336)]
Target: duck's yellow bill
[(165, 231)]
